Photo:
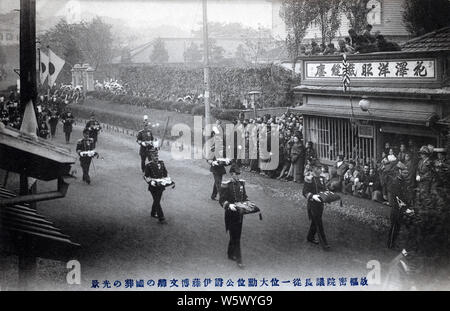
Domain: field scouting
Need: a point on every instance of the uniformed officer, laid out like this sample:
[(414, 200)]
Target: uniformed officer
[(398, 198), (67, 120), (314, 184), (231, 192), (43, 129), (156, 169), (145, 139), (53, 121), (218, 170), (83, 146), (4, 116), (94, 128)]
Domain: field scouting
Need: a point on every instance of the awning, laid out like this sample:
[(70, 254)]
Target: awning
[(394, 116), (444, 121), (37, 157)]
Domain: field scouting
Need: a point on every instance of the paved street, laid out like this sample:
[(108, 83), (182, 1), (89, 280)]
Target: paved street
[(111, 220)]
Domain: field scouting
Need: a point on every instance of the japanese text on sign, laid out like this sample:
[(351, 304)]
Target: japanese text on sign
[(389, 69)]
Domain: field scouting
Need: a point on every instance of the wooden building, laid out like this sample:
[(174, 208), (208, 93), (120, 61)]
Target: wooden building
[(394, 97)]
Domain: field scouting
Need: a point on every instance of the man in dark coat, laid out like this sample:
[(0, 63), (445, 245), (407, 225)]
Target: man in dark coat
[(53, 121), (231, 192), (94, 128), (315, 184), (398, 198), (145, 140), (156, 169), (83, 146), (67, 120), (217, 169)]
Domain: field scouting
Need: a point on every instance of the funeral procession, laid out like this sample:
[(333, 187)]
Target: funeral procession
[(212, 145)]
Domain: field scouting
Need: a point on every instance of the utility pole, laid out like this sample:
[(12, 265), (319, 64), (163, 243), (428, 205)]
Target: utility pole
[(28, 86), (206, 65)]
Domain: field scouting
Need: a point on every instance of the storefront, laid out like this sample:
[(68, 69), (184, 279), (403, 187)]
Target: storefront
[(395, 97)]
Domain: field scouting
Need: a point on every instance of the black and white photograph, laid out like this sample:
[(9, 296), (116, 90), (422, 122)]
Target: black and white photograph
[(233, 147)]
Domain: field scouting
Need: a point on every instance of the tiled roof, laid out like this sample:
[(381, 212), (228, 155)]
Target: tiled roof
[(438, 40)]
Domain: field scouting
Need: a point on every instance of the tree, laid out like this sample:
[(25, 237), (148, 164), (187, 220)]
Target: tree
[(423, 16), (297, 16), (356, 12), (326, 13), (193, 54), (97, 42), (79, 43), (159, 54), (241, 54), (64, 39)]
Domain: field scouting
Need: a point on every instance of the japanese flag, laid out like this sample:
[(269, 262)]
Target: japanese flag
[(44, 67), (55, 64)]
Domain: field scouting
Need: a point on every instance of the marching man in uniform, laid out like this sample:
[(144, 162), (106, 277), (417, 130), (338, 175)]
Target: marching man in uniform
[(86, 150), (145, 140), (313, 186), (94, 127), (232, 192), (67, 120), (156, 169)]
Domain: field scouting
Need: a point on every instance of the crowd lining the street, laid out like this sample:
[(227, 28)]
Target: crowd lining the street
[(364, 178)]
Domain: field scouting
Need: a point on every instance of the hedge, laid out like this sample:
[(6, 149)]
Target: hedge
[(218, 113)]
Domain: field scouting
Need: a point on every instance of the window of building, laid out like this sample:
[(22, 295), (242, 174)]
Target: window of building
[(332, 136), (9, 36)]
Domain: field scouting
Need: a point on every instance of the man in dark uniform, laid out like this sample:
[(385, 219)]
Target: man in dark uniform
[(83, 146), (4, 116), (398, 197), (94, 127), (231, 192), (53, 121), (43, 129), (144, 139), (218, 170), (314, 184), (156, 169), (67, 120)]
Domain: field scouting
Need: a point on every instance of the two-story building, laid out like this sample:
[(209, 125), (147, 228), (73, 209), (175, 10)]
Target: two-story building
[(394, 97), (385, 16)]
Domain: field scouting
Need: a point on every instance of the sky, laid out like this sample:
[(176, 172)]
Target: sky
[(185, 14)]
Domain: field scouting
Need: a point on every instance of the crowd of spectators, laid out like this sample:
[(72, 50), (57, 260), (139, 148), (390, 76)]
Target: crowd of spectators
[(364, 178), (51, 107), (365, 42)]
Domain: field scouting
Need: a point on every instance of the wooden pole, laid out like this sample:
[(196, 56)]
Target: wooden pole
[(28, 86), (28, 91), (206, 65)]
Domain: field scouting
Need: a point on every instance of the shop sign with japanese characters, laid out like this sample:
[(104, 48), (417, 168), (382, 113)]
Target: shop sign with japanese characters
[(415, 69)]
